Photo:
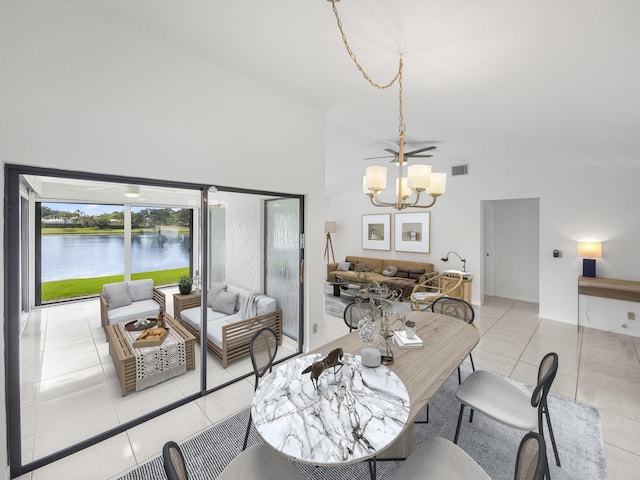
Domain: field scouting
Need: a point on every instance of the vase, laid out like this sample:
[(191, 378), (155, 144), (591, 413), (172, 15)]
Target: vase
[(385, 350)]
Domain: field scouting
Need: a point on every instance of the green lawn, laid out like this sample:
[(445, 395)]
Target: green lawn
[(101, 231), (82, 287)]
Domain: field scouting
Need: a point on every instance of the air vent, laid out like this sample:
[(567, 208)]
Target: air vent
[(459, 170)]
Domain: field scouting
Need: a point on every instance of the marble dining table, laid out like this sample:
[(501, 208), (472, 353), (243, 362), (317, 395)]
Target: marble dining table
[(354, 413), (358, 413)]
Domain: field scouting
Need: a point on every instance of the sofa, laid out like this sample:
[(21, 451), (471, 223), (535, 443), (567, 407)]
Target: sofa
[(122, 302), (234, 314), (400, 275)]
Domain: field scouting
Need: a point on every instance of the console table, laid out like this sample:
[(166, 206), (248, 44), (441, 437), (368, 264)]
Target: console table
[(611, 288)]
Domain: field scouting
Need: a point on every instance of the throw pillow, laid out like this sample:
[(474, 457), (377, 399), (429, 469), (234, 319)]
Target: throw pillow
[(225, 302), (141, 290), (116, 294), (214, 291), (343, 266), (402, 273), (416, 274), (390, 271)]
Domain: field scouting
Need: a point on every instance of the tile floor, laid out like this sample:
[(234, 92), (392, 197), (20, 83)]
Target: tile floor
[(596, 367)]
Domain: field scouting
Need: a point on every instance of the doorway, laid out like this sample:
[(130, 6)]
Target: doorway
[(511, 249)]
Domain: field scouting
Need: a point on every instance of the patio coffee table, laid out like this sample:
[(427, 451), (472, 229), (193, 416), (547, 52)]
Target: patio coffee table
[(124, 355)]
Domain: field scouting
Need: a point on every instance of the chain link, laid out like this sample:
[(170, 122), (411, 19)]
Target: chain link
[(398, 75)]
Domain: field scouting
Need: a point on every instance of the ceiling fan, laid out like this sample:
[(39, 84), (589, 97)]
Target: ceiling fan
[(412, 153)]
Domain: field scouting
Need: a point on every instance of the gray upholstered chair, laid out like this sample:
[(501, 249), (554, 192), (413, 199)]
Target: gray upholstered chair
[(260, 462), (499, 399), (438, 459), (263, 348)]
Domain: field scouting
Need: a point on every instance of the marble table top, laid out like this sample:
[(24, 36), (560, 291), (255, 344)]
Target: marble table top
[(356, 412)]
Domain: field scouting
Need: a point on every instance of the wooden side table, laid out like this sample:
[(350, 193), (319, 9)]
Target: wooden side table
[(182, 302), (466, 289)]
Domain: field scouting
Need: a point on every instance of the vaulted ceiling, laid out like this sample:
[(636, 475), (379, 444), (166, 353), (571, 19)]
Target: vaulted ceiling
[(548, 81)]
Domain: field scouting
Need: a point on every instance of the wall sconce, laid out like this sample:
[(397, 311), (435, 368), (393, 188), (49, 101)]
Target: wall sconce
[(329, 228), (464, 262), (589, 251)]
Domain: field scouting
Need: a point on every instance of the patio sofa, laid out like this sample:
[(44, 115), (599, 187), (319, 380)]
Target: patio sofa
[(125, 301), (234, 314), (401, 275)]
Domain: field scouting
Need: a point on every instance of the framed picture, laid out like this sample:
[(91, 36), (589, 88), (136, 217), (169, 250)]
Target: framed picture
[(412, 232), (376, 231)]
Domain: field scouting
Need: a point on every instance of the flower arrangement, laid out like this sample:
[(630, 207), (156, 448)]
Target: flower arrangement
[(382, 318)]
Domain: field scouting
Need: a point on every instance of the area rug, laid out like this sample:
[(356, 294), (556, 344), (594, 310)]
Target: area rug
[(577, 428), (335, 306)]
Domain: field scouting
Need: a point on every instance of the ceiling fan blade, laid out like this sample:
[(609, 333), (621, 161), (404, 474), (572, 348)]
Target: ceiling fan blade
[(375, 158), (421, 156), (425, 149), (390, 150)]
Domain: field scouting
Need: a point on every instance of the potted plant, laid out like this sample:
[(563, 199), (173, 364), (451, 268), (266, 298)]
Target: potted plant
[(184, 284), (410, 328)]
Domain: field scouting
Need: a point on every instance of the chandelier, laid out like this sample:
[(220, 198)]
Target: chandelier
[(419, 179)]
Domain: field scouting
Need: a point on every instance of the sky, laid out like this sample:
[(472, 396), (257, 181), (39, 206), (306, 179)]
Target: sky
[(87, 208)]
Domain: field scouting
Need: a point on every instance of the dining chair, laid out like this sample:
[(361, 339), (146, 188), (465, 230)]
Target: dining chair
[(263, 348), (439, 459), (459, 308), (173, 462), (260, 462), (355, 312), (501, 400)]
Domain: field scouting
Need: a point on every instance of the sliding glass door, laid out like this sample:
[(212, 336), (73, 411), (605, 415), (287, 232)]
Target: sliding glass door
[(63, 391)]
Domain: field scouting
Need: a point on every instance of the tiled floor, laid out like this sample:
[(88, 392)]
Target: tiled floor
[(596, 367)]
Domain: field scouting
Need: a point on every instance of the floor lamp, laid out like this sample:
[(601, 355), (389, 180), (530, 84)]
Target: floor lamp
[(329, 228)]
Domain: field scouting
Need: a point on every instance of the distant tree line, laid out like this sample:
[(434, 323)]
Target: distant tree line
[(145, 218)]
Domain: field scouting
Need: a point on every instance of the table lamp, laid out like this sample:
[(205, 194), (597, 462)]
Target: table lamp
[(589, 251), (329, 228)]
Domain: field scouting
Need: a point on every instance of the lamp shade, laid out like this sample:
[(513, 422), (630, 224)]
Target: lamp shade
[(376, 177), (419, 176), (590, 249), (438, 183), (329, 227)]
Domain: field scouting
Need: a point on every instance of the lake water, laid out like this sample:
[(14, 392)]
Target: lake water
[(85, 256)]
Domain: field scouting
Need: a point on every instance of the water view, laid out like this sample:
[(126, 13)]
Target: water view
[(66, 257)]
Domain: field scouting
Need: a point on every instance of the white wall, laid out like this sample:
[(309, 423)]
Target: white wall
[(575, 204), (84, 93)]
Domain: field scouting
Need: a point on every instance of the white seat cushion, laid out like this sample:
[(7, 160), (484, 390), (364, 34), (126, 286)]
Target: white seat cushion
[(143, 308), (499, 399), (420, 296), (439, 459)]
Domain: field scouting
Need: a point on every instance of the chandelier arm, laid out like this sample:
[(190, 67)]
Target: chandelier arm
[(377, 202), (355, 59)]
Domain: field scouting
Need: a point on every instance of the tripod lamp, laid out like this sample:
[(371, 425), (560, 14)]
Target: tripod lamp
[(589, 251), (329, 228)]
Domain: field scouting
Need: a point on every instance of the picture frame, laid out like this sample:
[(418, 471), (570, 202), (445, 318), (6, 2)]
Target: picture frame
[(412, 232), (376, 232)]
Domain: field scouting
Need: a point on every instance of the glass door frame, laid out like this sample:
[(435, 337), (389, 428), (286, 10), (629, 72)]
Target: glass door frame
[(13, 293)]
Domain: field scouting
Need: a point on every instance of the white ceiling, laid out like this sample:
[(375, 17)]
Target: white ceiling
[(546, 81)]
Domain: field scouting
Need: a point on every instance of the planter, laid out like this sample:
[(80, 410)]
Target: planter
[(185, 290)]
